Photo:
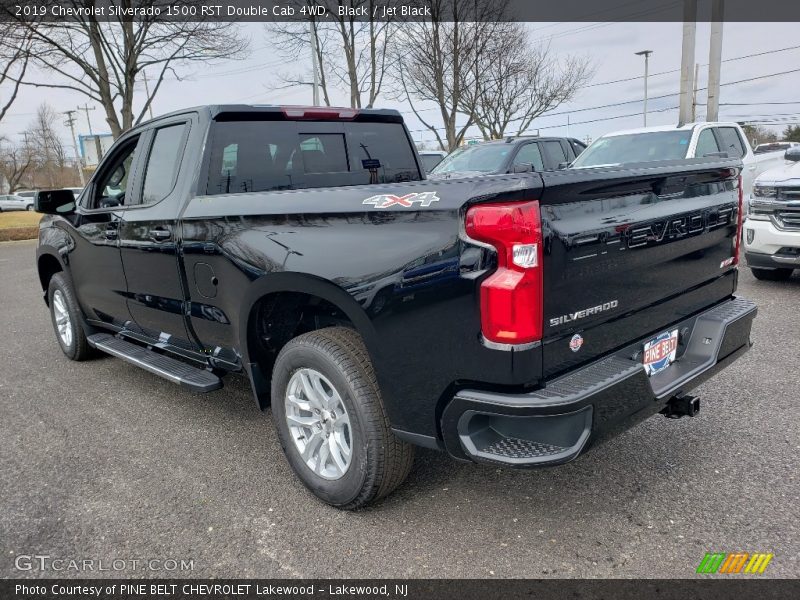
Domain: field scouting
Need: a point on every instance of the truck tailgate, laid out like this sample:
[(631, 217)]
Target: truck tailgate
[(627, 257)]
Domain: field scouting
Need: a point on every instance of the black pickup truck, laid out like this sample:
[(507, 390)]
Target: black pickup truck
[(507, 319)]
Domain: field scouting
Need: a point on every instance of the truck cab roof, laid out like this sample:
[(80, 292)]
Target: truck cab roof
[(237, 112), (659, 128)]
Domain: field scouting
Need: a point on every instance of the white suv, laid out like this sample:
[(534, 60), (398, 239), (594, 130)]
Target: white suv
[(772, 229)]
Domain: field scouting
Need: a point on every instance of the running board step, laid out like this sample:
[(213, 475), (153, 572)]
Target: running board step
[(197, 380)]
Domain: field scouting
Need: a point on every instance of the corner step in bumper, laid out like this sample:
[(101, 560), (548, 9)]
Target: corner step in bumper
[(197, 380)]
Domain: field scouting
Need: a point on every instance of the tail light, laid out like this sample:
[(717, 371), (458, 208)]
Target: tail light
[(319, 113), (737, 244), (511, 298)]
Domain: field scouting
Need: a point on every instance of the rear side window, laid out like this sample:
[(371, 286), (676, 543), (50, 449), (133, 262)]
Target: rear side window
[(163, 162), (429, 161), (555, 152), (731, 142), (529, 155), (706, 143), (255, 156)]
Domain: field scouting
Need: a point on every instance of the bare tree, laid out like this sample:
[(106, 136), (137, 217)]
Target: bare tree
[(48, 154), (513, 82), (758, 134), (16, 163), (14, 59), (351, 51), (435, 59), (106, 60)]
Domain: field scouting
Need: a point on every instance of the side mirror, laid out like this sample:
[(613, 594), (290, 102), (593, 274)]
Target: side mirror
[(792, 154), (522, 168), (563, 165), (55, 202)]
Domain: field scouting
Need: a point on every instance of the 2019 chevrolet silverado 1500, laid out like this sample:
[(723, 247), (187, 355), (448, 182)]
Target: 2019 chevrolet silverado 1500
[(509, 319)]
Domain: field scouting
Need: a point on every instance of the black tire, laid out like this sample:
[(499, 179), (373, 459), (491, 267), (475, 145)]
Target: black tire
[(772, 274), (29, 208), (380, 462), (78, 348)]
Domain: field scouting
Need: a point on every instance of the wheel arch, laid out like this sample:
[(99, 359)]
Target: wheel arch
[(48, 263), (293, 295)]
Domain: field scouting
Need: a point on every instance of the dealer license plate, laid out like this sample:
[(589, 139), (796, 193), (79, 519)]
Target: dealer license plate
[(659, 353)]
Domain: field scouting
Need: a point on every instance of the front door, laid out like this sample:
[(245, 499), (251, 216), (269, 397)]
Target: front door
[(150, 238), (94, 258)]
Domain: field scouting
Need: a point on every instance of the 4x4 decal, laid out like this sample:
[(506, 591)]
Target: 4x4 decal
[(407, 201)]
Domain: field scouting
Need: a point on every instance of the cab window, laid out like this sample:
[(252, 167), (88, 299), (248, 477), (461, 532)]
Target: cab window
[(162, 164), (706, 144), (731, 142), (529, 154), (113, 185)]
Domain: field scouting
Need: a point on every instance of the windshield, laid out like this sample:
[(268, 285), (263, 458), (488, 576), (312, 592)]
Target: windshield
[(635, 147), (487, 158)]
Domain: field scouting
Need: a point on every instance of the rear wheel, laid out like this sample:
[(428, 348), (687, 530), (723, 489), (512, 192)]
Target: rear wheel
[(66, 317), (772, 274), (330, 420), (29, 207)]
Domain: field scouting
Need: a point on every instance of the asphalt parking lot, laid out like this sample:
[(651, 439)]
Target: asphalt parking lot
[(101, 460)]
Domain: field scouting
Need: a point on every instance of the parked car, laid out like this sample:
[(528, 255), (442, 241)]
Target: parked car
[(11, 202), (431, 158), (529, 315), (772, 228), (518, 154), (694, 140), (775, 147)]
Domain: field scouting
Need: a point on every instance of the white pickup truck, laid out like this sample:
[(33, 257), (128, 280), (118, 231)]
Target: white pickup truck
[(669, 142), (772, 228)]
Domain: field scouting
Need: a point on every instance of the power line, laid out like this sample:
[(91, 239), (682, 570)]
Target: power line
[(702, 65)]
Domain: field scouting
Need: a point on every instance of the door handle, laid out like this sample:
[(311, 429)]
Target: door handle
[(160, 234)]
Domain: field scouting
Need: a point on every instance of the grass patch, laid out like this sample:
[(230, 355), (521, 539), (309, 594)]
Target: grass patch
[(19, 225)]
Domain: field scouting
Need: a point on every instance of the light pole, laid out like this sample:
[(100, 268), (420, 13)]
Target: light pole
[(646, 54)]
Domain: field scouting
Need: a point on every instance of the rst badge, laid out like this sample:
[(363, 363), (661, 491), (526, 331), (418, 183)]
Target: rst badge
[(388, 200)]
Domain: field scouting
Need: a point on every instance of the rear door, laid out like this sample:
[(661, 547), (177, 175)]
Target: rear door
[(149, 237), (627, 256)]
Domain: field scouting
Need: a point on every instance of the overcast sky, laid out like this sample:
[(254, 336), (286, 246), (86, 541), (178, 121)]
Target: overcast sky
[(610, 46)]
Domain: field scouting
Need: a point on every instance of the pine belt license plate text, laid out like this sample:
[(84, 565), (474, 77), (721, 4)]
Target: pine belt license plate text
[(659, 353)]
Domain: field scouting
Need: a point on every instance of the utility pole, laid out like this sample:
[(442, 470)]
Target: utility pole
[(86, 108), (315, 94), (687, 60), (646, 54), (71, 124), (147, 91), (715, 60), (694, 92)]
